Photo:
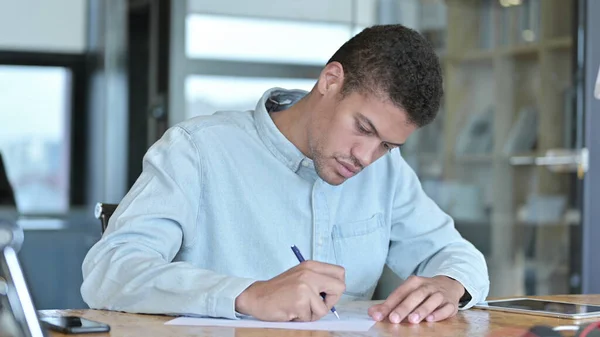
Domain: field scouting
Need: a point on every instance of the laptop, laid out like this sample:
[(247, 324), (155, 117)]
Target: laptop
[(18, 316)]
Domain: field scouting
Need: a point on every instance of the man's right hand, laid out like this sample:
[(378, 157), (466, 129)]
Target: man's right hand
[(295, 294)]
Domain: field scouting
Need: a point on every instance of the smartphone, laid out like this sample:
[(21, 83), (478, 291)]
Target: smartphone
[(73, 324)]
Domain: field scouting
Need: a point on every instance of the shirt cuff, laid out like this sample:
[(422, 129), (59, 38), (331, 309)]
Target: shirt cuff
[(222, 302), (471, 293)]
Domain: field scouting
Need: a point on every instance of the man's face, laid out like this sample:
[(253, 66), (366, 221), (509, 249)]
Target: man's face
[(346, 135)]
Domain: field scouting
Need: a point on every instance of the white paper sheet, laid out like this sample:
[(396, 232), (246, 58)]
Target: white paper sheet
[(350, 320)]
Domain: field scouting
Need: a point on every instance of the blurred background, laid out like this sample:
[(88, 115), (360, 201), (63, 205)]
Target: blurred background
[(86, 86)]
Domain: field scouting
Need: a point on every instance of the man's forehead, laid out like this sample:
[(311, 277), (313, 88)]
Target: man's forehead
[(378, 107), (391, 122)]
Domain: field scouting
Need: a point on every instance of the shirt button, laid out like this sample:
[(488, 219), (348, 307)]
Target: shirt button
[(305, 164)]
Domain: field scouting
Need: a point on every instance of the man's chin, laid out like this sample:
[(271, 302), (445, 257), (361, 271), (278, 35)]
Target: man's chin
[(330, 176), (336, 182), (333, 179)]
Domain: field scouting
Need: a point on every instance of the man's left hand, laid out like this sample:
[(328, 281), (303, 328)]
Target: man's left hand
[(421, 298)]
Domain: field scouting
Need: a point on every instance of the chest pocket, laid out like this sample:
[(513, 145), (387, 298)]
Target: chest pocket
[(361, 247)]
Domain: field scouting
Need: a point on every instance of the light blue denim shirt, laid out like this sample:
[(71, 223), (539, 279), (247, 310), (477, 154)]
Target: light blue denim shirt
[(222, 198)]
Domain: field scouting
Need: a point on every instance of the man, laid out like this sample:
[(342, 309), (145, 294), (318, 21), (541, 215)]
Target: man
[(207, 227)]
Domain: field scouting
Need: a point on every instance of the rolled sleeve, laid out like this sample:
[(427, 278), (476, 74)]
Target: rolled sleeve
[(425, 242), (133, 267)]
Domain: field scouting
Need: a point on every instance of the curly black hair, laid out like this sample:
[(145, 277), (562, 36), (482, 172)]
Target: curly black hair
[(396, 63)]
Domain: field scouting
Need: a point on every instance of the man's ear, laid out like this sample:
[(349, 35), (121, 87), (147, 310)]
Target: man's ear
[(331, 79)]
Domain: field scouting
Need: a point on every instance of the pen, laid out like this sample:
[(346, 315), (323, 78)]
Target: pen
[(301, 259)]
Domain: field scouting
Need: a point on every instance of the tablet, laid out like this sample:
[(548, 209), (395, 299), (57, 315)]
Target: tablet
[(543, 308), (18, 317)]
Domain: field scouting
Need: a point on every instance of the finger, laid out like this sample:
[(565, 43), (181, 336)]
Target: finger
[(303, 313), (318, 307), (332, 293), (410, 303), (331, 288), (380, 311), (331, 300), (443, 312), (299, 310), (433, 302), (331, 270), (320, 283)]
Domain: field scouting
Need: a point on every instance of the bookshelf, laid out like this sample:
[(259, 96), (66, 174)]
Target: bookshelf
[(506, 63), (555, 44)]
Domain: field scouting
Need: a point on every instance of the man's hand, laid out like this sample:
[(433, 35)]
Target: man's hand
[(421, 298), (295, 294)]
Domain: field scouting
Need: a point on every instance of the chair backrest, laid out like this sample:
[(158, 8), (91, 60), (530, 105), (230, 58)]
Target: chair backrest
[(7, 195), (103, 212)]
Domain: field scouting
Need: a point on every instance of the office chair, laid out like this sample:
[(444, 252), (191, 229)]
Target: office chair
[(7, 195), (103, 212)]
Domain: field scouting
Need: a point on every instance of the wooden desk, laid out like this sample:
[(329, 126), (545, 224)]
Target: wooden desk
[(472, 322)]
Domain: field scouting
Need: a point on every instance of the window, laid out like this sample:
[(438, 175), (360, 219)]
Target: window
[(35, 115), (233, 38), (207, 94), (229, 53)]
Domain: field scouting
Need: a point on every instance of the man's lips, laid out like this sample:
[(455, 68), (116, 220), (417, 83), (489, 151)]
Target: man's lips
[(347, 170)]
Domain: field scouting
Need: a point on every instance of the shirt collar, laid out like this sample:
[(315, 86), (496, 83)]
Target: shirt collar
[(277, 99)]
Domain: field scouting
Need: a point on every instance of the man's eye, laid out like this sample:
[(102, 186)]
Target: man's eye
[(362, 129)]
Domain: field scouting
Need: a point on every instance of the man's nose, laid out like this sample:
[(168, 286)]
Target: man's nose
[(367, 152)]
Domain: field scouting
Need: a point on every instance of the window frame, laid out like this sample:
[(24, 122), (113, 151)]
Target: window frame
[(76, 64), (588, 61)]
